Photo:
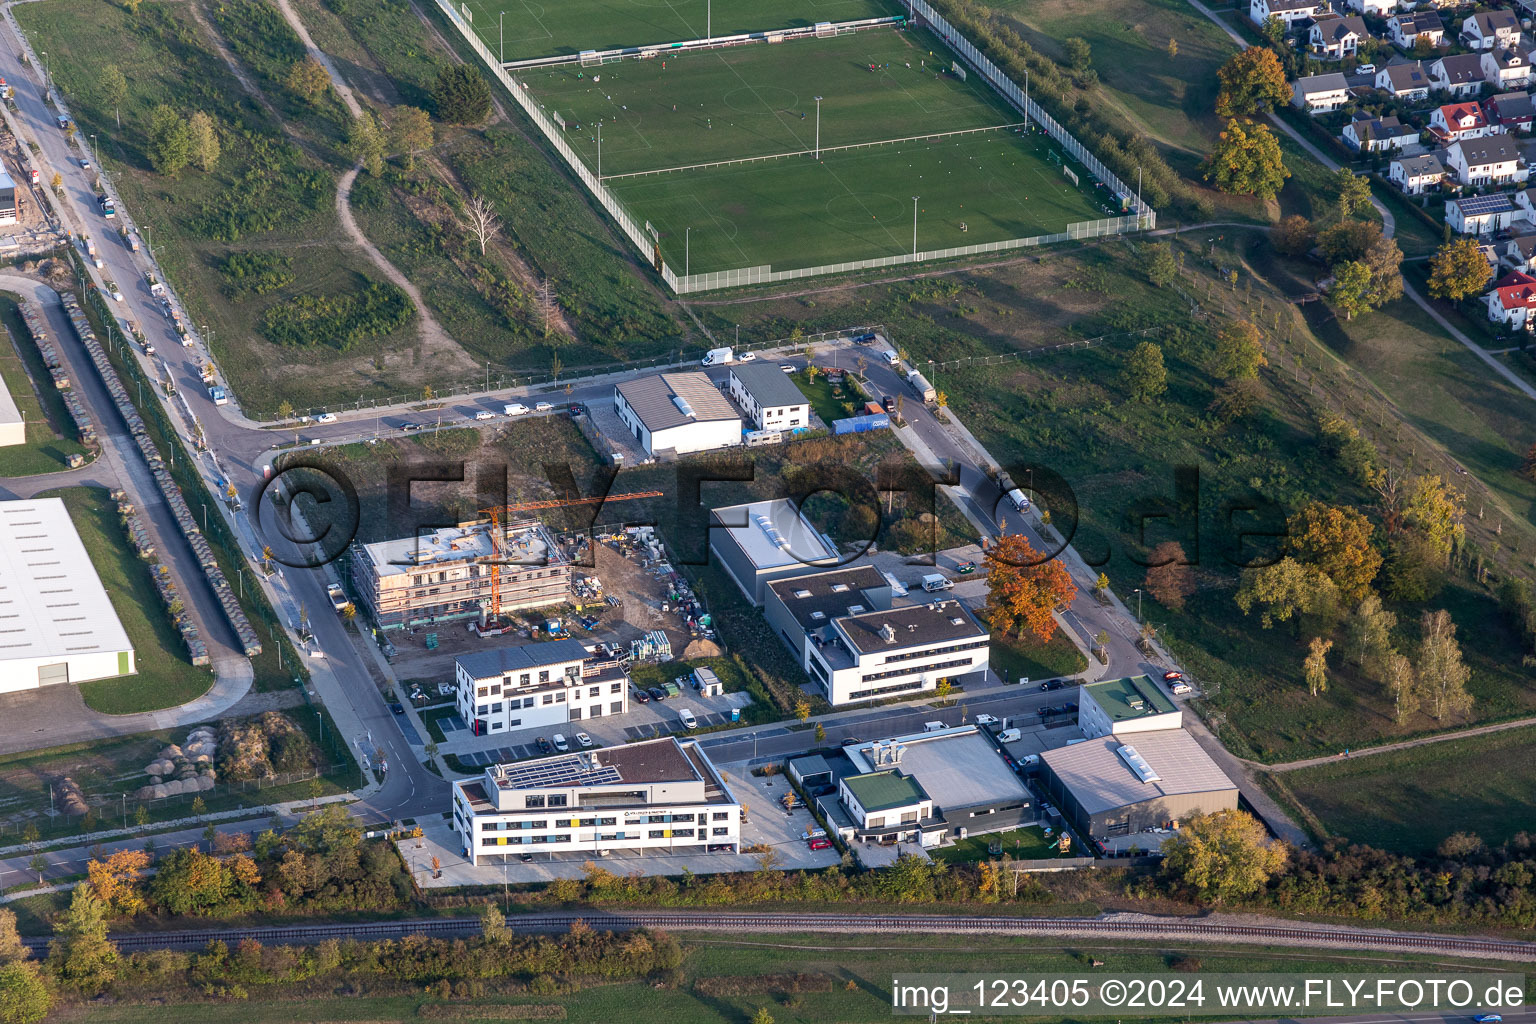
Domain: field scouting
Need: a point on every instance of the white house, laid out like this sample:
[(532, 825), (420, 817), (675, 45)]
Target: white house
[(677, 413), (769, 398), (1490, 30), (900, 651), (537, 685), (889, 807), (1520, 252), (1460, 75), (1512, 299), (1525, 203), (1335, 37), (59, 625), (1117, 707), (1511, 111), (1415, 175), (1377, 8), (1456, 121), (1288, 11), (1482, 215), (1494, 160), (1405, 30), (1406, 81), (1367, 134), (1320, 94), (1506, 69), (661, 795)]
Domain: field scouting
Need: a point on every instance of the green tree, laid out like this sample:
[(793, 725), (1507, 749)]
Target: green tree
[(11, 947), (189, 881), (365, 143), (493, 925), (1352, 192), (1441, 672), (205, 141), (1246, 161), (1338, 541), (24, 998), (114, 90), (410, 132), (1144, 375), (821, 733), (1079, 53), (1251, 82), (169, 140), (199, 807), (1347, 240), (80, 954), (1458, 270), (1162, 268), (1315, 666), (308, 80), (1402, 685), (1351, 289), (1222, 857), (1369, 633), (762, 1016), (802, 708), (461, 96), (1435, 511), (1240, 351), (1384, 260), (1284, 590)]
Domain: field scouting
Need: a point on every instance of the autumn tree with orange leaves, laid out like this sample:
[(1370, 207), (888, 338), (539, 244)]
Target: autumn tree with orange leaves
[(1024, 588), (116, 881)]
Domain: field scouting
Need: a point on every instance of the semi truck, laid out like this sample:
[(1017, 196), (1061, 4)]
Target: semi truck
[(920, 384)]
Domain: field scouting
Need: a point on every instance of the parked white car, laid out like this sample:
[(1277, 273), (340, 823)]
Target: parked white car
[(485, 414), (583, 740), (326, 417), (542, 407), (1182, 688), (746, 357), (686, 717), (986, 719)]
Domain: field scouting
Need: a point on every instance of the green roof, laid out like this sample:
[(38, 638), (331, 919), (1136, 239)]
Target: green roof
[(883, 791), (1129, 698)]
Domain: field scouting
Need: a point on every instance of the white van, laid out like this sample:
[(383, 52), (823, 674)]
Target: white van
[(936, 581), (1010, 736), (516, 409), (686, 717), (560, 742), (890, 357), (934, 726)]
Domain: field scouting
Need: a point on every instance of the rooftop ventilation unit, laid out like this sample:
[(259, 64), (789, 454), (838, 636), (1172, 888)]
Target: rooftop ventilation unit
[(888, 633), (774, 536), (683, 407), (1138, 764)]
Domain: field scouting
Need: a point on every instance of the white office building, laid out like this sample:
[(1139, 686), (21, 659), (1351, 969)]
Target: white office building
[(57, 624), (763, 541), (769, 398), (896, 652), (677, 413), (1119, 707), (660, 795), (537, 685)]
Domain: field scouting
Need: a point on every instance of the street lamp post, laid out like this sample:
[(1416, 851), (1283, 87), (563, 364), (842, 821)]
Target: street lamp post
[(1138, 604), (818, 127), (914, 224)]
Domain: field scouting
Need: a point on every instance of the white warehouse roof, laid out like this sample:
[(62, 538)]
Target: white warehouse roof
[(52, 603)]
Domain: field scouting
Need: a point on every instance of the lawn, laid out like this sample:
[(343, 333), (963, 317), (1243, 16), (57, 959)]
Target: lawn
[(50, 439), (1018, 844), (1015, 659), (1410, 800), (431, 719), (165, 677), (796, 211), (522, 29)]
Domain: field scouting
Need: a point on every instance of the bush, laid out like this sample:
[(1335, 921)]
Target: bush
[(339, 321), (255, 273), (461, 95)]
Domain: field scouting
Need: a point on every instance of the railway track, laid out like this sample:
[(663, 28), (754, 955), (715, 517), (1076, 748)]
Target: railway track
[(1142, 930)]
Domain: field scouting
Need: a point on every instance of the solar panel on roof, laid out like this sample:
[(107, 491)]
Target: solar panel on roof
[(1477, 205), (567, 770)]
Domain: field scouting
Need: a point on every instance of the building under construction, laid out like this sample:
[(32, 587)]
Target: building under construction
[(458, 573)]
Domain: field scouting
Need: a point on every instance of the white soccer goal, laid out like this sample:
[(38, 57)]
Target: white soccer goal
[(959, 71), (1070, 173), (825, 29), (589, 58), (558, 119), (469, 15)]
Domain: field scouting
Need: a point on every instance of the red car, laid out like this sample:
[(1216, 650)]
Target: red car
[(821, 844), (1169, 677)]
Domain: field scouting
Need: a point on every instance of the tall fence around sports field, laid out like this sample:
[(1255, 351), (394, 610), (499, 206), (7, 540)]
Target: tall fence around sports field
[(1143, 216), (820, 30)]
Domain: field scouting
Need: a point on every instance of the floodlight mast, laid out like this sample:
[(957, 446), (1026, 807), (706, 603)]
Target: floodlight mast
[(818, 127), (914, 224)]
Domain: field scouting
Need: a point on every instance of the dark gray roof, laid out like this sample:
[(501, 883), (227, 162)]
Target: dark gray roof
[(1510, 105), (1291, 5), (1407, 76), (1525, 245), (1420, 22), (1506, 58), (1460, 68), (804, 596), (1490, 21), (1491, 149), (911, 626), (652, 400), (1417, 165), (1332, 81), (1368, 127), (1336, 29), (501, 660), (768, 384)]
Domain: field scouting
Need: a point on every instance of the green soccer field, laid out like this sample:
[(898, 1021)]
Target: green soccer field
[(857, 204), (524, 29), (760, 100)]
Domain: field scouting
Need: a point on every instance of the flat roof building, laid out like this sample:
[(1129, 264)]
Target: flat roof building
[(801, 608), (770, 398), (1107, 788), (445, 575), (13, 429), (898, 651), (1131, 704), (657, 795), (972, 789), (767, 540), (534, 685), (677, 413), (57, 624)]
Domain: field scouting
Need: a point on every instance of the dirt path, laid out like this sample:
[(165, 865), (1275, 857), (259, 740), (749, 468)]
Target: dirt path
[(1387, 748)]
